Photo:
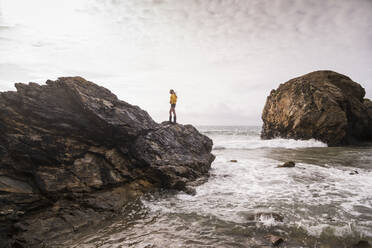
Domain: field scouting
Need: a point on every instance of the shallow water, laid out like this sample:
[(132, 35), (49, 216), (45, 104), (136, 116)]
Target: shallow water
[(322, 202)]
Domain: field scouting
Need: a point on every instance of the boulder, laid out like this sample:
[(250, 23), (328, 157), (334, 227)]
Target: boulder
[(362, 244), (275, 240), (72, 155), (322, 105), (288, 164), (368, 104)]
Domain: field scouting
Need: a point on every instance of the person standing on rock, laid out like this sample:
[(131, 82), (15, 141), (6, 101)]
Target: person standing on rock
[(173, 101)]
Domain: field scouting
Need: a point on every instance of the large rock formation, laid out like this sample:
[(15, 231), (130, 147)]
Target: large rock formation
[(72, 155), (323, 105)]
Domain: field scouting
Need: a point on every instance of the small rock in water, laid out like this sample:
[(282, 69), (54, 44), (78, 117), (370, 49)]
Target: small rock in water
[(287, 164), (275, 240), (354, 172), (233, 161), (189, 190), (257, 243), (362, 244), (330, 219)]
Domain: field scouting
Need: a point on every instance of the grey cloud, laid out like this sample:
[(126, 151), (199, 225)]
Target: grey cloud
[(223, 56)]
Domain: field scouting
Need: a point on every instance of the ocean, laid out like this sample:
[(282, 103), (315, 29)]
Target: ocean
[(222, 52), (324, 201)]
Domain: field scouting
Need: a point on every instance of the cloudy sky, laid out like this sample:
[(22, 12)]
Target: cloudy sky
[(221, 56)]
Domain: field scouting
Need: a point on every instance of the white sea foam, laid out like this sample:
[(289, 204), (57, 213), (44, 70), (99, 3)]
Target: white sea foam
[(307, 196), (318, 199), (256, 142), (249, 138), (321, 197)]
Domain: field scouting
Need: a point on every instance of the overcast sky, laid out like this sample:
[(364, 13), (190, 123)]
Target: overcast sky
[(222, 57)]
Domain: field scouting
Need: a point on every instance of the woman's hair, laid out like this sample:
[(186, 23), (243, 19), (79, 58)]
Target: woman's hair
[(173, 92)]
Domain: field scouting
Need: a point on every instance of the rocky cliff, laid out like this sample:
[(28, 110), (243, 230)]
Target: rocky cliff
[(72, 155), (323, 105)]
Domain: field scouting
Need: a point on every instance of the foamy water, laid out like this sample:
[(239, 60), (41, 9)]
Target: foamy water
[(238, 138), (322, 201)]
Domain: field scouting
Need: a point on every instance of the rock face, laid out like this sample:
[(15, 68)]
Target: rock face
[(72, 155), (323, 105)]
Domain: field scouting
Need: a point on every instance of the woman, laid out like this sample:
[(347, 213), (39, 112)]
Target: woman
[(173, 101)]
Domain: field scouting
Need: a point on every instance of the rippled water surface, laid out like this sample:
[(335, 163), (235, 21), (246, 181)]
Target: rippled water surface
[(325, 201)]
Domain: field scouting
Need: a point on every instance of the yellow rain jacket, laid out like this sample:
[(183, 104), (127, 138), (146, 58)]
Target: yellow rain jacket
[(173, 99)]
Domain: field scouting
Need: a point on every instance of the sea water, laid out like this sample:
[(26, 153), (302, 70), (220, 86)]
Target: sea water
[(324, 201)]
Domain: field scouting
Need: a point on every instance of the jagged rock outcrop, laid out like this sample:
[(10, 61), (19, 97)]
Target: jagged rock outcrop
[(72, 155), (323, 105)]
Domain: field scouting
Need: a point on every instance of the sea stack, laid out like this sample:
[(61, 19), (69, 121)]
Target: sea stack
[(72, 154), (322, 105)]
